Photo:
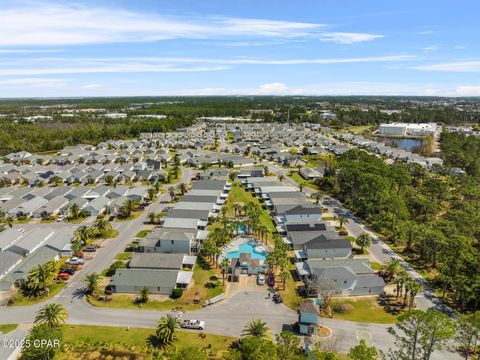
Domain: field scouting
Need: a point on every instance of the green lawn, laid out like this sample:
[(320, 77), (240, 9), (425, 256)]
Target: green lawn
[(6, 328), (143, 233), (375, 266), (123, 256), (21, 300), (128, 342), (366, 309)]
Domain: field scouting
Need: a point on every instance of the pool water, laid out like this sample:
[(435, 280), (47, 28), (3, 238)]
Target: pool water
[(246, 248), (241, 228)]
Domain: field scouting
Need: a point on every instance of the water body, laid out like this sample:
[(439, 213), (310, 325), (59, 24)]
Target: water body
[(405, 144)]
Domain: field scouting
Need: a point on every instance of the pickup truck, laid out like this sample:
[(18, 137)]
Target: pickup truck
[(193, 324)]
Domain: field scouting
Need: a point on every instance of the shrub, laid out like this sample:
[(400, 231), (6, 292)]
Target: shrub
[(177, 293), (342, 308)]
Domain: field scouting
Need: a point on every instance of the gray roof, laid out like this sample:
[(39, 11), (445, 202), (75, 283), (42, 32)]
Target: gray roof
[(32, 240), (145, 278), (7, 260), (193, 214), (209, 184), (156, 261), (326, 242), (177, 234), (7, 237), (304, 209), (57, 192), (200, 199), (60, 238)]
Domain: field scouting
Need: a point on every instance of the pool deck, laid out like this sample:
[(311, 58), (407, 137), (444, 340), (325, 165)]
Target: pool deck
[(235, 245)]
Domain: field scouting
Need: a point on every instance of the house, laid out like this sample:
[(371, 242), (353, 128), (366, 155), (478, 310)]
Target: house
[(348, 276), (137, 193), (8, 237), (309, 174), (18, 276), (8, 261), (28, 207), (61, 241), (308, 316), (325, 247), (158, 281), (51, 208), (97, 206), (161, 261), (302, 213), (168, 240), (32, 241)]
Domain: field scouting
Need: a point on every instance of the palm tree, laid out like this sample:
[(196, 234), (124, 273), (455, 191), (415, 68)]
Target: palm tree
[(143, 295), (301, 186), (171, 192), (102, 225), (224, 266), (74, 211), (284, 276), (415, 288), (53, 315), (237, 208), (256, 328), (363, 240), (317, 196), (152, 217), (342, 219), (39, 276), (76, 246), (82, 235), (9, 220), (127, 208), (91, 282), (182, 187), (165, 333), (391, 269), (151, 193)]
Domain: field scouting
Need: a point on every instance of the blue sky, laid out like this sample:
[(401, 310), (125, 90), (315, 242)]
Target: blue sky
[(322, 47)]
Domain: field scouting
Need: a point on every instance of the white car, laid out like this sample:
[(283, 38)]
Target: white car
[(22, 230), (193, 324), (60, 218), (261, 279), (76, 261)]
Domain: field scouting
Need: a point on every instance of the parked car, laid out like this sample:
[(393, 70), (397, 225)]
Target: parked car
[(271, 280), (76, 261), (261, 279), (63, 276), (22, 230), (193, 324), (79, 255), (277, 299), (61, 218), (343, 233), (136, 240), (67, 271), (90, 248)]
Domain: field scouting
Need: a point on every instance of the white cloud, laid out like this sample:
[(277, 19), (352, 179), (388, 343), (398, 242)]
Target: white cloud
[(273, 88), (348, 37), (468, 90), (91, 86), (49, 66), (33, 82), (41, 24), (431, 48), (460, 66)]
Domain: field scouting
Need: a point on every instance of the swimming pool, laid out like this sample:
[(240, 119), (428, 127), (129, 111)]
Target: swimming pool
[(249, 249), (241, 228)]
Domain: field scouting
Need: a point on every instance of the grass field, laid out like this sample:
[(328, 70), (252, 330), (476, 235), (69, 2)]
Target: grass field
[(366, 309), (125, 343), (6, 328), (21, 300), (143, 233)]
